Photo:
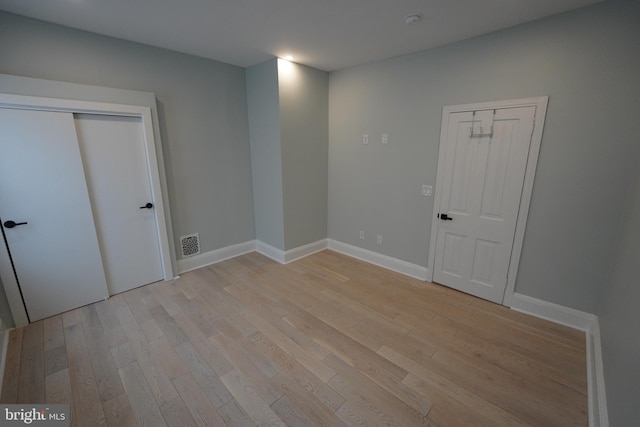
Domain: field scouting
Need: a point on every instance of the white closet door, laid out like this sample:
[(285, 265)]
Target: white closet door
[(55, 252), (116, 165)]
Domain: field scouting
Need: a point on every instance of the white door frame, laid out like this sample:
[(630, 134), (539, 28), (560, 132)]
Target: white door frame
[(75, 106), (536, 138)]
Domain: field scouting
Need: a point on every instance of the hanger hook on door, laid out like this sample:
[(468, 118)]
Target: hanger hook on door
[(481, 134)]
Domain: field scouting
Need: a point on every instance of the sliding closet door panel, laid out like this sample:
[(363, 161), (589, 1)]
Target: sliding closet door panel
[(116, 165), (55, 251)]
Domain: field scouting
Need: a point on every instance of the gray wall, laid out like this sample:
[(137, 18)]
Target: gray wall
[(266, 159), (586, 61), (201, 106), (304, 122), (619, 318), (288, 127)]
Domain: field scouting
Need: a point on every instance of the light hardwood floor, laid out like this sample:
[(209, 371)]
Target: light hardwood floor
[(327, 340)]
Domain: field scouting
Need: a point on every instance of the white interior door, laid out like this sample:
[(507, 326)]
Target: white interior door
[(484, 169), (117, 170), (55, 252)]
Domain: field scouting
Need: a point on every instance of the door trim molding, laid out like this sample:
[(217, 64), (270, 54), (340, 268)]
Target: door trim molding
[(154, 153), (540, 104)]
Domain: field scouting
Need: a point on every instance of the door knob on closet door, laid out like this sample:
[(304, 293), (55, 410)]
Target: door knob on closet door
[(11, 224), (147, 206)]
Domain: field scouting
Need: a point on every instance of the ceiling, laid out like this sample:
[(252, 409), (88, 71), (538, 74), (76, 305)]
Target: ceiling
[(325, 34)]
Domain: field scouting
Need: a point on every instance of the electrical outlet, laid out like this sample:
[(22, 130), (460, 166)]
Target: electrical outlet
[(365, 138), (379, 239), (427, 190), (361, 234), (385, 138)]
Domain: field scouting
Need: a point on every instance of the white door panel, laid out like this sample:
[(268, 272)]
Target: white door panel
[(56, 254), (115, 159), (481, 190)]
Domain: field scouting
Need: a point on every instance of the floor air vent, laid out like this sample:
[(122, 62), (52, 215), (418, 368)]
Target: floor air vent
[(190, 245)]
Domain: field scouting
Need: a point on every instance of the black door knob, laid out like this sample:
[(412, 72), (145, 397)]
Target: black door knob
[(147, 206), (445, 217), (11, 224)]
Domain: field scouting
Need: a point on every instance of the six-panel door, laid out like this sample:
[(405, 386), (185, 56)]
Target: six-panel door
[(484, 168)]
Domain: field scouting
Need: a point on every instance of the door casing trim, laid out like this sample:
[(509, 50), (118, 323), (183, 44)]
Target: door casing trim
[(540, 103)]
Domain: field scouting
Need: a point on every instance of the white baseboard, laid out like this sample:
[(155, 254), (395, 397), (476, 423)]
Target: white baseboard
[(270, 252), (598, 413), (556, 313), (397, 265), (306, 250), (587, 322), (284, 257), (217, 255)]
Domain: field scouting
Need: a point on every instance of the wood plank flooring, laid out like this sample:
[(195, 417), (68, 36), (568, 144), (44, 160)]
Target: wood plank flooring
[(327, 340)]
